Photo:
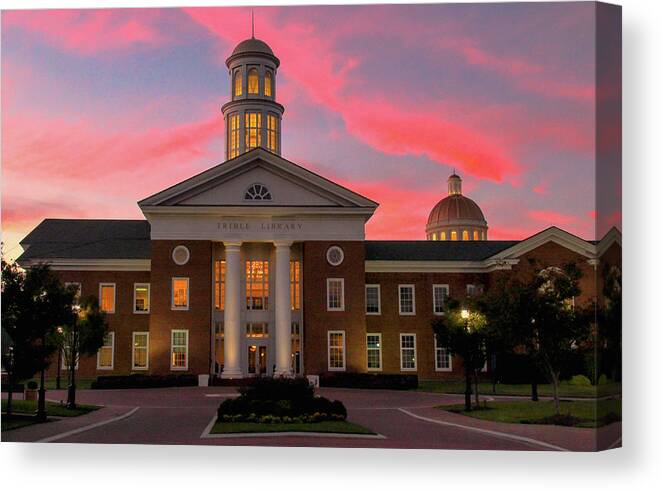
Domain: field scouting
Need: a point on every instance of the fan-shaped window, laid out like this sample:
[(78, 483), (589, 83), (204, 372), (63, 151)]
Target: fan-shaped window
[(253, 81), (257, 192), (238, 84), (268, 81)]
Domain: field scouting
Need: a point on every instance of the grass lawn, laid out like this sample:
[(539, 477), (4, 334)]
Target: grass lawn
[(583, 413), (51, 383), (321, 427), (52, 408), (565, 390)]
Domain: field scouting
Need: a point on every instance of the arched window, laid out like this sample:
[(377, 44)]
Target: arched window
[(257, 192), (433, 236), (453, 235), (253, 130), (253, 81), (238, 84), (268, 81), (464, 235), (443, 237), (476, 235), (272, 133), (233, 136)]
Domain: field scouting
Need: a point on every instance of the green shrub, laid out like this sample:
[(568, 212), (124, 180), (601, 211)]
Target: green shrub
[(580, 380), (603, 379), (32, 385)]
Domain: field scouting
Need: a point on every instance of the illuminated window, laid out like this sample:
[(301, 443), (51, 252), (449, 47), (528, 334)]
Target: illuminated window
[(141, 298), (335, 294), (268, 84), (140, 356), (257, 285), (453, 235), (374, 351), (272, 133), (295, 284), (439, 294), (443, 237), (238, 84), (464, 235), (373, 299), (233, 136), (336, 348), (107, 296), (407, 355), (433, 236), (253, 81), (476, 235), (179, 349), (442, 358), (219, 285), (257, 329), (406, 300), (180, 293), (105, 355), (253, 130)]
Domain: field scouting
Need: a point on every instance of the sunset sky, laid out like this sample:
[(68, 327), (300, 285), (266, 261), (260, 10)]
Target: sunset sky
[(101, 108)]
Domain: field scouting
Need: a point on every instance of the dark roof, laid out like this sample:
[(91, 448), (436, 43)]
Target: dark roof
[(88, 239), (434, 250)]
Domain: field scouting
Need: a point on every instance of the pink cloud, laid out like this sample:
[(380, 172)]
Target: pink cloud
[(552, 217), (541, 188)]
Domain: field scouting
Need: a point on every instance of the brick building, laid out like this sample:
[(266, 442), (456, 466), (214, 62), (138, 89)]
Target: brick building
[(259, 266)]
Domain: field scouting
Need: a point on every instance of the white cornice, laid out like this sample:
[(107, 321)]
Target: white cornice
[(93, 264), (552, 234), (438, 266), (291, 212)]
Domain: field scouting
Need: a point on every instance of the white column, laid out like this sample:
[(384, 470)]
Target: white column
[(282, 310), (232, 338)]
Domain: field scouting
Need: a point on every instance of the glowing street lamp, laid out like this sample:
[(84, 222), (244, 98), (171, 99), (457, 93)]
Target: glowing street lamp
[(465, 314)]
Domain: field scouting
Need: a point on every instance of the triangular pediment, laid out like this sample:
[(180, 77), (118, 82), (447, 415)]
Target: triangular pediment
[(551, 234), (288, 185)]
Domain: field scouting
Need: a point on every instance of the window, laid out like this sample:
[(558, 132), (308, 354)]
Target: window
[(219, 285), (140, 356), (476, 235), (106, 353), (472, 290), (253, 81), (295, 284), (272, 133), (464, 235), (334, 255), (238, 84), (107, 296), (336, 350), (440, 294), (180, 255), (233, 136), (373, 299), (407, 352), (443, 360), (257, 285), (179, 349), (253, 130), (434, 236), (443, 237), (180, 293), (77, 286), (257, 192), (453, 235), (335, 294), (140, 298), (406, 300), (374, 351), (257, 329), (268, 84)]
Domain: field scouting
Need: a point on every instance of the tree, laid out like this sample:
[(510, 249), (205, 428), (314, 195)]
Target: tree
[(609, 335), (82, 335), (463, 332)]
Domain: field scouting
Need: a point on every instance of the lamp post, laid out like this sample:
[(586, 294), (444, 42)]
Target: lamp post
[(40, 414), (60, 331), (465, 315), (71, 393)]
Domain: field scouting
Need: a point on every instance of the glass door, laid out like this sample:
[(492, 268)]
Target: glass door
[(257, 360)]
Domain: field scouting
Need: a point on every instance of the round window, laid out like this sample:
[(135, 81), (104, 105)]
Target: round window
[(180, 255), (334, 255)]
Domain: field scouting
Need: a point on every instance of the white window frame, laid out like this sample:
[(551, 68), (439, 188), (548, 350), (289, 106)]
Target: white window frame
[(112, 353), (444, 286), (344, 351), (378, 298), (415, 352), (172, 305), (135, 286), (328, 307), (172, 367), (399, 294), (114, 297), (133, 367), (367, 350), (436, 349)]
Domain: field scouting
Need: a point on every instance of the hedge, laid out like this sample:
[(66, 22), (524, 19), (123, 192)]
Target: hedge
[(144, 381), (368, 380)]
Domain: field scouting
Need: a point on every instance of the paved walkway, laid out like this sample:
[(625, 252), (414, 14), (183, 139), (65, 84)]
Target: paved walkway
[(175, 416)]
